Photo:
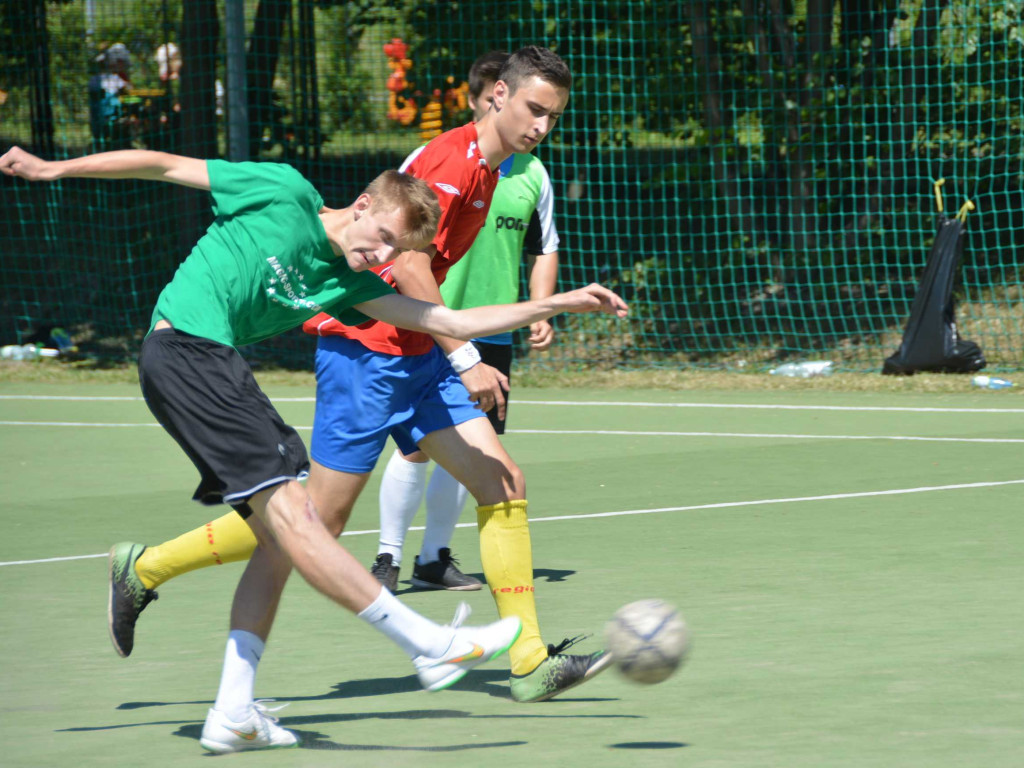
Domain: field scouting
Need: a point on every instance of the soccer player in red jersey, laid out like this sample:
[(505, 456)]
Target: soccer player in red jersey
[(521, 219)]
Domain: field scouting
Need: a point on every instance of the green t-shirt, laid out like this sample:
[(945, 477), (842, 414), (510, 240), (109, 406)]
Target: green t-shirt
[(489, 272), (265, 265)]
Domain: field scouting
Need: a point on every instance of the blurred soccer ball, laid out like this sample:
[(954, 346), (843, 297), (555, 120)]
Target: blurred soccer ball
[(647, 639)]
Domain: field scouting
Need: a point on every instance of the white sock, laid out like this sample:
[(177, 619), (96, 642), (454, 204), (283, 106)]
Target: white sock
[(238, 678), (446, 497), (414, 634), (401, 489)]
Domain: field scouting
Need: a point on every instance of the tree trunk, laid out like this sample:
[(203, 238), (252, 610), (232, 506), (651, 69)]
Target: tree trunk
[(261, 64), (37, 49), (200, 34), (309, 116), (803, 204), (898, 123), (865, 20), (737, 218)]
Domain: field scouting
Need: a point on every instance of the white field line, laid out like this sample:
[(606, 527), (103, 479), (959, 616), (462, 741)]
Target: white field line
[(766, 435), (656, 510), (605, 403), (609, 432), (74, 398), (776, 407), (78, 424)]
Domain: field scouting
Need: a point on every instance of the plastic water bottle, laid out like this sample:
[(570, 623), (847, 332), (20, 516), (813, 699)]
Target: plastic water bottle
[(19, 352), (804, 370), (991, 382)]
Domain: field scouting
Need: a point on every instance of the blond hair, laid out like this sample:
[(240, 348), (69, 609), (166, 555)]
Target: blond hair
[(418, 204)]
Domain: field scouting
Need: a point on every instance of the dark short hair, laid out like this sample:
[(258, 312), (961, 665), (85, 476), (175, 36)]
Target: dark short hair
[(534, 61), (485, 70)]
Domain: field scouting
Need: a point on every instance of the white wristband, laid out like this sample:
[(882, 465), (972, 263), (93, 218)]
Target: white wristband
[(464, 358)]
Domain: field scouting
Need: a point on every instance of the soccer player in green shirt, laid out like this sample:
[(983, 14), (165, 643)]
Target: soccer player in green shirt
[(275, 256)]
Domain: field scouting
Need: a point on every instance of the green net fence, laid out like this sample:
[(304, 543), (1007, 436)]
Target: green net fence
[(755, 176)]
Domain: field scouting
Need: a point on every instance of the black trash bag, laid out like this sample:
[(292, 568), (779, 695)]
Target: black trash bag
[(930, 339)]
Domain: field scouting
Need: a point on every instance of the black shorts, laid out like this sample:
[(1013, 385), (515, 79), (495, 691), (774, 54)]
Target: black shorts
[(204, 394), (497, 356)]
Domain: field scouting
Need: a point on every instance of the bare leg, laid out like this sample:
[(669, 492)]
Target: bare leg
[(259, 590), (287, 512), (334, 494), (300, 537), (290, 532), (287, 530), (472, 453)]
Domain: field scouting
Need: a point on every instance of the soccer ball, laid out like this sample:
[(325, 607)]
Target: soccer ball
[(647, 639)]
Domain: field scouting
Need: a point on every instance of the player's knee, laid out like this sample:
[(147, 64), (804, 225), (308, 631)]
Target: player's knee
[(264, 538), (289, 508), (273, 557), (506, 484), (515, 482), (334, 517)]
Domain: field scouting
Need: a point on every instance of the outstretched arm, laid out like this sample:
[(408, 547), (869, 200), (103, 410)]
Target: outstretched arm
[(123, 164), (486, 321)]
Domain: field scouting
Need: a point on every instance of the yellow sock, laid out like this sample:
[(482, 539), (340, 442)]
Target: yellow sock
[(507, 558), (224, 540)]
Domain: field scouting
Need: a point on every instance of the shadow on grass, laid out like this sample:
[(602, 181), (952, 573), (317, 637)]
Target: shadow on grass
[(551, 575), (311, 739), (648, 745), (314, 739), (492, 682)]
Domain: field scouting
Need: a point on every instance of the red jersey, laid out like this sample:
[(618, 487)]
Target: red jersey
[(464, 184)]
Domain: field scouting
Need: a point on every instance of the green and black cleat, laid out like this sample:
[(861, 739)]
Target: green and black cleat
[(128, 596), (558, 673)]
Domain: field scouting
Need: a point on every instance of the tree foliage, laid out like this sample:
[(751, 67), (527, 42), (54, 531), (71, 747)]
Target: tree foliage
[(748, 171), (800, 143)]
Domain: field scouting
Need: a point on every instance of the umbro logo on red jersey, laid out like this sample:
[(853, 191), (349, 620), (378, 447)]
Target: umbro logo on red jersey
[(447, 188), (479, 203)]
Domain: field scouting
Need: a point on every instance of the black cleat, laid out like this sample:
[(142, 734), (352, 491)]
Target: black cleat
[(442, 574), (384, 572)]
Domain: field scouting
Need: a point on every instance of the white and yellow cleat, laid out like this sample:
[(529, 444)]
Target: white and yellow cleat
[(258, 731), (471, 647)]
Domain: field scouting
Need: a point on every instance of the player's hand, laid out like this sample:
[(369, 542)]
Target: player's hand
[(541, 335), (17, 162), (593, 298), (487, 387)]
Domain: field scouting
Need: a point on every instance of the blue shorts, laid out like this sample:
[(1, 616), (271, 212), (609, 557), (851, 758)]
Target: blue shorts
[(363, 396)]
